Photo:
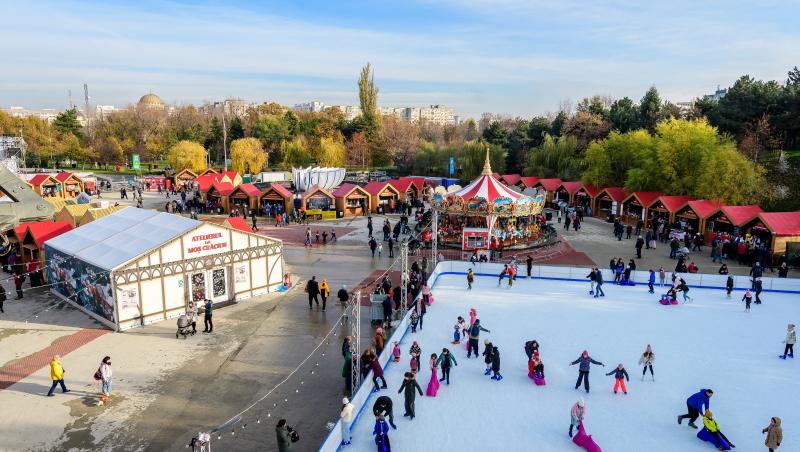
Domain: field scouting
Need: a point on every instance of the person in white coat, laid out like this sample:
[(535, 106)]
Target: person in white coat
[(106, 375), (348, 412)]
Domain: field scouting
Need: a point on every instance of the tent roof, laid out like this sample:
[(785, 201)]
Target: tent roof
[(488, 188), (704, 208), (314, 189), (674, 203), (781, 223), (249, 190), (591, 190), (186, 170), (64, 175), (529, 181), (237, 223), (647, 198), (739, 215), (205, 181), (42, 231), (550, 184), (346, 189), (510, 179), (279, 189), (40, 179), (571, 187), (121, 236), (618, 194)]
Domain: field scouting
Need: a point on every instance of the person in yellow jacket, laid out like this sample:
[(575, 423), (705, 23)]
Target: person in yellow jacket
[(713, 428), (324, 291), (57, 375)]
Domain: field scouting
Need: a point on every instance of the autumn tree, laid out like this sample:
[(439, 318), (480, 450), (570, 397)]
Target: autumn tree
[(555, 157), (585, 127), (357, 151), (329, 153), (402, 140), (370, 119), (295, 154), (247, 156), (187, 154)]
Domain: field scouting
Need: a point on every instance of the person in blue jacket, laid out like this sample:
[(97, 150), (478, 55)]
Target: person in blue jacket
[(651, 281), (697, 403)]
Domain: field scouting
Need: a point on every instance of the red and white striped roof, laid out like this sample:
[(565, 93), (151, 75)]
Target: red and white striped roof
[(488, 188)]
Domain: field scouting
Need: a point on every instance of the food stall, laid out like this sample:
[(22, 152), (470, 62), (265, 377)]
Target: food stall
[(352, 200)]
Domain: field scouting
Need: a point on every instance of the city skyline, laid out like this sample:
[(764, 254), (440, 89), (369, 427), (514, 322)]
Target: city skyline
[(508, 57)]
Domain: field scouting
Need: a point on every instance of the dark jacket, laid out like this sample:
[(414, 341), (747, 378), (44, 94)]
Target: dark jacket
[(312, 287), (409, 385), (639, 243), (487, 353), (284, 443), (209, 308), (343, 295), (495, 359), (599, 277), (475, 330), (698, 400), (585, 363), (382, 405), (619, 374), (446, 360), (757, 271), (530, 347), (377, 370), (592, 276)]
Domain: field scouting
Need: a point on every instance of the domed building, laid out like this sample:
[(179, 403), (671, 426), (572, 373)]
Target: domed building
[(151, 102)]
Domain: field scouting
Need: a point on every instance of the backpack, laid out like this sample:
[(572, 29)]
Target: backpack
[(98, 375)]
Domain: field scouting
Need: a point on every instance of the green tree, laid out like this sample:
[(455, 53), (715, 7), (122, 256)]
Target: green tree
[(585, 127), (729, 177), (247, 156), (558, 123), (187, 155), (517, 146), (272, 131), (235, 128), (649, 108), (330, 153), (370, 119), (473, 155), (594, 105), (292, 123), (538, 127), (609, 161), (67, 122), (295, 154), (745, 102), (555, 157), (624, 115), (495, 134)]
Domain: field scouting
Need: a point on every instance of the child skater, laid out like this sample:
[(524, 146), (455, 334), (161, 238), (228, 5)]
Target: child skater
[(414, 363), (511, 275), (662, 276), (651, 281), (729, 285), (473, 314), (471, 279), (620, 375), (538, 366), (576, 414), (415, 351), (647, 360), (747, 298), (414, 321), (487, 353), (396, 352), (791, 339), (463, 324), (502, 273), (496, 364), (456, 333)]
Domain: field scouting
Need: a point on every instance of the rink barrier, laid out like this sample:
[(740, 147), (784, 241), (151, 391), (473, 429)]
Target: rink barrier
[(364, 392)]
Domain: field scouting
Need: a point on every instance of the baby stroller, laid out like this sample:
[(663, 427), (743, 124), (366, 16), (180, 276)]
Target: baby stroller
[(184, 327), (682, 253)]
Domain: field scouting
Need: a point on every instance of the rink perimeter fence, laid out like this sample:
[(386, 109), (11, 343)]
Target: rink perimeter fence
[(364, 393)]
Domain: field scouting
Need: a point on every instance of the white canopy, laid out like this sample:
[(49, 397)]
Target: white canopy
[(121, 236)]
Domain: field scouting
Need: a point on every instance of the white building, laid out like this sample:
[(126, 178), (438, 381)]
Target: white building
[(48, 114), (351, 112), (310, 107), (101, 111)]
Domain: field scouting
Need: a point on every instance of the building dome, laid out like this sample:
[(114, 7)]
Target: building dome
[(150, 100)]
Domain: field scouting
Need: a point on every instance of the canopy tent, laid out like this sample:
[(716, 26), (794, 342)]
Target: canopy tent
[(137, 266), (698, 213), (667, 206), (327, 178)]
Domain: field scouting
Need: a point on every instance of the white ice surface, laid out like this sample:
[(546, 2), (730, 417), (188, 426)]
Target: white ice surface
[(709, 343)]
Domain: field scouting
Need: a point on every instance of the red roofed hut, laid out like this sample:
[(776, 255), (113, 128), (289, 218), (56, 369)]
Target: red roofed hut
[(635, 206), (666, 207), (730, 220), (609, 202), (317, 198), (510, 179), (45, 185), (244, 198), (566, 192), (32, 244), (275, 199), (695, 214), (585, 197), (778, 230), (385, 197), (71, 185), (352, 200)]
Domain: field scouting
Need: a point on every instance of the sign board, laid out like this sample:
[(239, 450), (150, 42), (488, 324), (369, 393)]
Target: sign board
[(135, 162), (324, 214), (206, 240), (452, 166)]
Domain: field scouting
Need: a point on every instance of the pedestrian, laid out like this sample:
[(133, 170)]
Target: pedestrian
[(712, 427), (790, 340), (470, 279), (496, 364), (333, 235), (529, 264), (620, 375), (369, 225), (347, 415), (628, 231), (18, 281), (585, 361), (324, 237), (106, 376), (57, 375), (391, 247), (209, 311), (381, 433), (647, 359), (308, 237), (324, 292), (283, 432), (651, 281), (592, 279), (774, 433), (254, 227), (697, 402), (2, 298), (383, 407), (378, 340), (474, 334), (380, 249), (373, 245), (747, 298), (387, 311), (577, 414), (447, 360), (598, 289), (639, 244), (312, 289), (342, 295), (407, 388)]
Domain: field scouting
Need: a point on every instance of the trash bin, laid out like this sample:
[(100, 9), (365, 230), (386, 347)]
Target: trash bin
[(376, 303)]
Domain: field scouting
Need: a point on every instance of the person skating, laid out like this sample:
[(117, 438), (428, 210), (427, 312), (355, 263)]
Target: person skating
[(423, 309), (396, 352), (456, 333), (415, 352), (474, 334), (347, 415), (758, 285), (774, 433), (592, 279), (381, 433), (651, 281), (585, 361), (662, 276), (284, 432), (470, 279), (620, 375), (598, 288), (57, 375), (409, 386), (383, 407), (647, 359), (447, 360), (577, 414), (697, 402), (496, 364), (536, 366), (487, 353), (378, 340), (414, 321), (729, 286), (473, 315), (207, 317), (377, 373), (529, 264), (712, 427), (512, 273), (433, 383), (503, 272), (747, 298), (791, 339), (684, 288), (531, 347), (312, 289), (324, 292)]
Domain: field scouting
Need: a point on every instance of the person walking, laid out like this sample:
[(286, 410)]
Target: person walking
[(106, 375), (57, 375), (647, 359), (697, 402), (774, 433), (342, 295), (209, 311), (407, 388), (576, 415), (639, 245), (324, 292), (585, 361), (620, 375), (373, 245), (391, 247), (347, 415), (791, 339), (18, 281), (447, 360), (254, 227), (2, 298), (283, 432), (312, 289)]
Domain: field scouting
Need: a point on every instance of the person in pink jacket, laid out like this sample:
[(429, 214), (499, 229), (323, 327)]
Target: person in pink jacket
[(577, 413)]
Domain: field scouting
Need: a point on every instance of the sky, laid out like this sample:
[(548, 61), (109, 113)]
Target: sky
[(511, 57)]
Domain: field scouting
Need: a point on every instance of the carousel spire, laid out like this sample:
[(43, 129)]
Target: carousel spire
[(487, 167)]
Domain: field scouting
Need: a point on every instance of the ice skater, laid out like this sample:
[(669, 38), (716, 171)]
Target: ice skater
[(791, 339), (471, 279), (377, 373), (651, 281), (415, 351), (577, 414), (536, 367), (414, 321), (487, 356), (747, 298), (592, 278), (712, 427), (512, 273), (684, 288), (383, 407), (381, 433), (774, 433), (409, 385), (433, 384), (694, 404), (647, 359), (462, 324), (503, 273), (496, 364), (396, 352), (473, 314), (531, 348), (456, 333), (729, 286), (447, 360), (598, 288), (474, 334), (620, 375), (585, 362), (662, 276)]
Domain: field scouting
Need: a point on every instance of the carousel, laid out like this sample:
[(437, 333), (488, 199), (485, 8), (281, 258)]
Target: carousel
[(486, 215)]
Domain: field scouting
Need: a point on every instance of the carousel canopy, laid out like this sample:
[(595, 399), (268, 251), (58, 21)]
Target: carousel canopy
[(488, 188)]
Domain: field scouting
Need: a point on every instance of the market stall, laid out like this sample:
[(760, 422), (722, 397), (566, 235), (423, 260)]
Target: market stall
[(635, 206), (36, 234), (276, 199), (511, 180), (695, 214), (208, 171), (666, 207), (585, 197), (137, 266), (779, 230), (45, 185), (244, 198), (549, 186), (565, 192), (384, 197), (317, 198), (527, 182), (729, 220), (216, 197), (352, 200), (185, 179), (409, 193), (71, 185), (608, 202)]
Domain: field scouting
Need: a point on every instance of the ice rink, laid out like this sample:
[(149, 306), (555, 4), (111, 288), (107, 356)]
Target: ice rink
[(708, 343)]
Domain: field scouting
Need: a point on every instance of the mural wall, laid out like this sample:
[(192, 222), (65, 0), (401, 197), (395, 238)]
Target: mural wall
[(84, 284)]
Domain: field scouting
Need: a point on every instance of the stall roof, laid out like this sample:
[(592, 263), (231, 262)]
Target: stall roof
[(346, 189), (647, 198), (40, 179), (781, 223), (618, 194), (418, 181), (740, 215), (223, 187), (550, 184), (280, 189), (510, 179), (705, 208), (674, 203), (205, 181), (591, 190), (42, 231), (375, 188), (121, 236), (314, 189), (64, 175), (249, 190), (401, 184), (237, 223), (571, 187), (529, 181)]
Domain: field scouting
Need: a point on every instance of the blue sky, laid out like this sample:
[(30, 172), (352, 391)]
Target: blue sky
[(515, 57)]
